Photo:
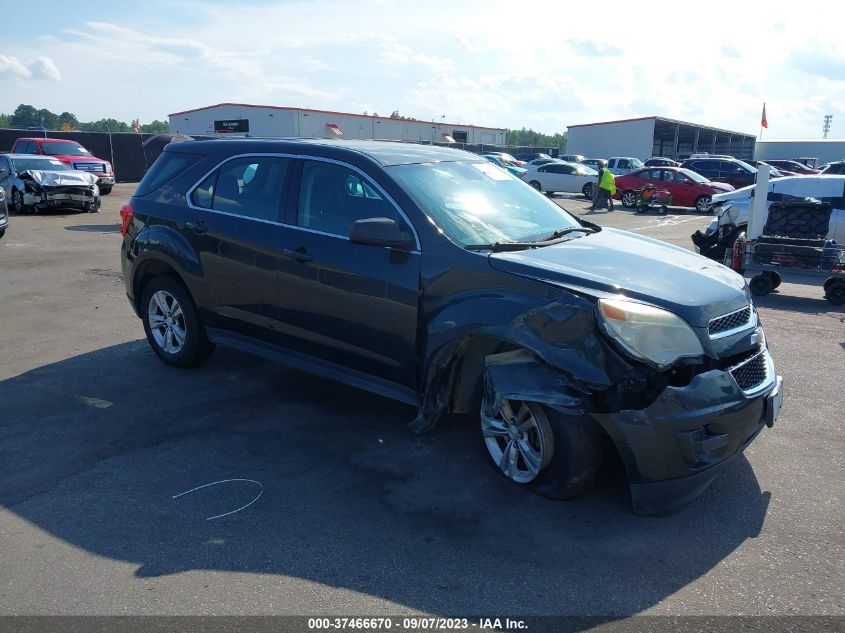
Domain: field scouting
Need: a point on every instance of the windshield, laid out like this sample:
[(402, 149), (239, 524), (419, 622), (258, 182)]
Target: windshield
[(745, 166), (636, 163), (474, 203), (69, 149), (43, 164), (689, 173)]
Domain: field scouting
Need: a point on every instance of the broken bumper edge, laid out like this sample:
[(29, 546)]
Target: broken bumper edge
[(673, 449)]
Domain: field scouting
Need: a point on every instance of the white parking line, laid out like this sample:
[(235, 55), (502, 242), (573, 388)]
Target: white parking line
[(669, 220)]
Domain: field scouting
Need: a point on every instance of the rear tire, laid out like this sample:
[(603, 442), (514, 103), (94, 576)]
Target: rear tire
[(702, 204), (588, 191), (629, 199), (2, 233), (539, 448), (172, 324), (105, 190), (536, 185)]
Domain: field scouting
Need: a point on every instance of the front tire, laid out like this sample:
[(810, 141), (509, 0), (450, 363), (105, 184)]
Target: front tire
[(702, 204), (172, 324), (17, 203), (105, 190), (552, 454), (536, 185)]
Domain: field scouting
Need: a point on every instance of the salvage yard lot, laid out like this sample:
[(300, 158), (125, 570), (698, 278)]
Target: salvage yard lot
[(357, 515)]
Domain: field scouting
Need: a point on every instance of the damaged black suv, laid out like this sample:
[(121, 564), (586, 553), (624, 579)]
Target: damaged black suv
[(436, 278)]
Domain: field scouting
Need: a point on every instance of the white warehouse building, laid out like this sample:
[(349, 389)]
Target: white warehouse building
[(655, 136), (239, 119)]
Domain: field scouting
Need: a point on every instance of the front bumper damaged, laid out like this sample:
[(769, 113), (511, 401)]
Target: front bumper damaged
[(62, 197), (675, 447), (44, 189)]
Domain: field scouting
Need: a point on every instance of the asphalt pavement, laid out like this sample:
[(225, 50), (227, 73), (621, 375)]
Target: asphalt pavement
[(346, 511)]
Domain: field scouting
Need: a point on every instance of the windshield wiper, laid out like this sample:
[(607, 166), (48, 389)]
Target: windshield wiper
[(499, 247), (569, 229)]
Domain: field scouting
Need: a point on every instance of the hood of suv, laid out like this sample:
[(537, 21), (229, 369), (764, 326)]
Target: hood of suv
[(720, 186), (618, 262)]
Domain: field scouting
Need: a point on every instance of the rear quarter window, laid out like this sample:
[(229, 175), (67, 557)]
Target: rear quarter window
[(167, 166)]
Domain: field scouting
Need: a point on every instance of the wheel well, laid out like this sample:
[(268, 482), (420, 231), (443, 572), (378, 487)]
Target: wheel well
[(467, 368), (149, 269)]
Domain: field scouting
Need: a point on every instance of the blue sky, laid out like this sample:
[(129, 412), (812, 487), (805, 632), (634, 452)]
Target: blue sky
[(510, 64)]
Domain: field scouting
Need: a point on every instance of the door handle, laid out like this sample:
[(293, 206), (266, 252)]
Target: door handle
[(300, 254), (197, 227)]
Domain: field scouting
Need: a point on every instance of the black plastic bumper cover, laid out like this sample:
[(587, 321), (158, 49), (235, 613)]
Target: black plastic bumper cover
[(674, 448)]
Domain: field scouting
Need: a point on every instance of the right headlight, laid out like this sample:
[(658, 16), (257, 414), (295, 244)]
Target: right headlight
[(651, 334), (722, 208)]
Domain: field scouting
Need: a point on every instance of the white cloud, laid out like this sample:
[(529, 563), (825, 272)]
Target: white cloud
[(13, 66), (394, 54), (45, 68), (39, 68)]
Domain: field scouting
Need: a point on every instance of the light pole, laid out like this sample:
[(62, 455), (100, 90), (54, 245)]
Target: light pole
[(827, 119)]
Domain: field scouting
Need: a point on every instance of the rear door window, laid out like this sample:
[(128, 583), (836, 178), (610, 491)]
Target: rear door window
[(167, 166), (251, 187)]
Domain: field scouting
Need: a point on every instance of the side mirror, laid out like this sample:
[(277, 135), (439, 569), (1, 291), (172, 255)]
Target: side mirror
[(379, 232)]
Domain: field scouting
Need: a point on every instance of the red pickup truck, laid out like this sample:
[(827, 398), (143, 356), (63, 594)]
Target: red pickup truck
[(72, 154)]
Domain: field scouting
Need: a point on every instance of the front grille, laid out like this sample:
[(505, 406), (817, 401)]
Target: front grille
[(751, 373), (99, 168), (729, 322)]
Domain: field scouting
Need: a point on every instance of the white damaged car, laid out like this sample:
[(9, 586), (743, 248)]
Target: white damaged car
[(33, 183), (733, 208)]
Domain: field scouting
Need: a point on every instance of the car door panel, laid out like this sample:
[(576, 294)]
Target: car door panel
[(551, 179), (352, 304), (237, 239)]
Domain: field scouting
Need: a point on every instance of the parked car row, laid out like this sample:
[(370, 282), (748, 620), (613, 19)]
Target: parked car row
[(33, 183), (71, 154)]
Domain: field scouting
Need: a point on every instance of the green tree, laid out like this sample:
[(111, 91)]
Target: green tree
[(25, 116), (5, 120), (527, 136), (156, 127), (68, 121), (105, 125), (48, 120)]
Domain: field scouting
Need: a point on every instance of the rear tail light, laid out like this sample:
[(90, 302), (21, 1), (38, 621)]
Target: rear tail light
[(126, 215)]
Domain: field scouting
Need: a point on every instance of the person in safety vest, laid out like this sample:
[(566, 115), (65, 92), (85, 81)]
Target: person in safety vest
[(604, 188)]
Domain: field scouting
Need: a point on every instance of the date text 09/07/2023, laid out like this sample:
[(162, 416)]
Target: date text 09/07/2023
[(415, 624)]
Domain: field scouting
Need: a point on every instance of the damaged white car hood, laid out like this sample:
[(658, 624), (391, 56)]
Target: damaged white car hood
[(61, 178)]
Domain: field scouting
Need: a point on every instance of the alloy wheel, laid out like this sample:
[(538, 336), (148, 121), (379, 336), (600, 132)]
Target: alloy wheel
[(629, 199), (17, 201), (167, 322), (519, 439)]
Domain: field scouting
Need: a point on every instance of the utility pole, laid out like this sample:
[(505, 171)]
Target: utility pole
[(827, 119)]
